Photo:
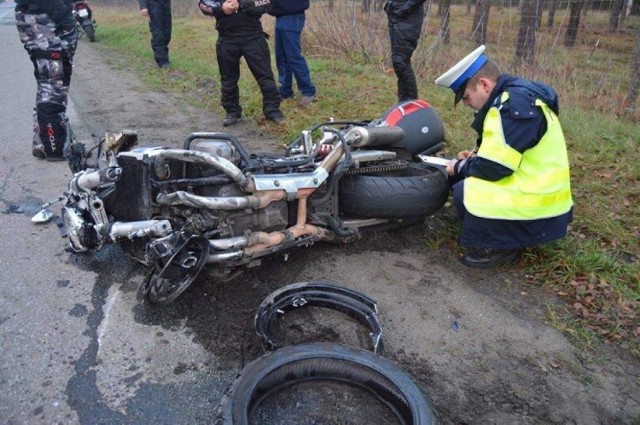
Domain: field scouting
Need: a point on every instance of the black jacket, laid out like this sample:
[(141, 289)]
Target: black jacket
[(245, 22), (404, 9), (58, 10), (288, 7)]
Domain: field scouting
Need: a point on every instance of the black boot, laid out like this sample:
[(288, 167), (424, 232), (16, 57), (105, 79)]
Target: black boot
[(485, 258), (54, 135), (231, 119)]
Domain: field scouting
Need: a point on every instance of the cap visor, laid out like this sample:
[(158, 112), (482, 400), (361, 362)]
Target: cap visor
[(459, 95)]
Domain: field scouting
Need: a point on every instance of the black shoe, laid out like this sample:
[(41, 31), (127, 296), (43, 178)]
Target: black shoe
[(276, 117), (231, 119), (485, 258), (164, 64)]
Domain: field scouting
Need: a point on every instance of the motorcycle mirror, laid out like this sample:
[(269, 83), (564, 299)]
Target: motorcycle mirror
[(43, 216)]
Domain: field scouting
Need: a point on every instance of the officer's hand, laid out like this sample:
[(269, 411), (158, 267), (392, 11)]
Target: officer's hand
[(144, 12), (465, 154), (230, 6), (69, 39)]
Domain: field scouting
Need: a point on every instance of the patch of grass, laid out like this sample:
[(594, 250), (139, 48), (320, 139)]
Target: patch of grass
[(596, 268)]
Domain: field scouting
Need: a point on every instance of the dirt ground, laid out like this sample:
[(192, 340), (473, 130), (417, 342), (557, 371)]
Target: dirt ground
[(476, 341)]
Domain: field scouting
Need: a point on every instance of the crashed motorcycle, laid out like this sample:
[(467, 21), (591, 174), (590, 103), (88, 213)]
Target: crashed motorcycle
[(214, 205), (83, 18)]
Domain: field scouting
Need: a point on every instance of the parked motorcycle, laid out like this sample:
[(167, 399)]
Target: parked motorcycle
[(83, 17), (213, 204)]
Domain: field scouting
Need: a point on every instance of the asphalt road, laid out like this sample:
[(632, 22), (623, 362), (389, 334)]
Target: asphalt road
[(71, 350)]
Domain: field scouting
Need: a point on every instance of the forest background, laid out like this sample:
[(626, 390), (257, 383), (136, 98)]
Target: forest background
[(588, 50)]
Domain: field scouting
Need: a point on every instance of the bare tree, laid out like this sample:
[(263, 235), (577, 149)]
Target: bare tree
[(445, 10), (553, 5), (371, 5), (539, 8), (617, 6), (634, 87), (481, 21), (526, 45), (574, 23)]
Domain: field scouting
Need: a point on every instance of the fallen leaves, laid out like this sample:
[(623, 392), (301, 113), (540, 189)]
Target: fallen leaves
[(602, 309)]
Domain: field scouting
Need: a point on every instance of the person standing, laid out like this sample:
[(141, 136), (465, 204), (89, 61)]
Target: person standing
[(405, 25), (48, 33), (513, 190), (290, 19), (240, 35), (159, 14)]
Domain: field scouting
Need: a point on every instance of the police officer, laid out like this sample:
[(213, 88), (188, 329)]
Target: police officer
[(513, 189), (240, 35), (159, 14), (405, 24), (47, 31)]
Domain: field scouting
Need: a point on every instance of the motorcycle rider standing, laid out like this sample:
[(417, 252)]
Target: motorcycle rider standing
[(47, 31), (159, 14), (405, 24)]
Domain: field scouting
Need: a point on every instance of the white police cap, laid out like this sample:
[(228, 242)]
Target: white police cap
[(457, 76)]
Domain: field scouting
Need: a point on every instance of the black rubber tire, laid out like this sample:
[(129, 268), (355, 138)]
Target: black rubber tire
[(324, 361), (91, 32), (420, 191)]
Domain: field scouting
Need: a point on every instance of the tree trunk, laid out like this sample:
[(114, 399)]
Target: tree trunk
[(539, 8), (480, 21), (574, 23), (634, 87), (444, 20), (614, 17), (526, 46), (468, 4), (553, 5)]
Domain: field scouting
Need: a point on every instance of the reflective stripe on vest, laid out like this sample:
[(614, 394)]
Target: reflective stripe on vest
[(540, 185)]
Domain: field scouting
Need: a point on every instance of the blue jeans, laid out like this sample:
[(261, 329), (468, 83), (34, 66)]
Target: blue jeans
[(289, 59)]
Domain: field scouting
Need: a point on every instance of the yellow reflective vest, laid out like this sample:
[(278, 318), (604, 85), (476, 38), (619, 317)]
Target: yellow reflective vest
[(539, 186)]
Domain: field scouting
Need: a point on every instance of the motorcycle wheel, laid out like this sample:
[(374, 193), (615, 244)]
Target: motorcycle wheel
[(321, 362), (90, 31), (166, 284), (416, 192)]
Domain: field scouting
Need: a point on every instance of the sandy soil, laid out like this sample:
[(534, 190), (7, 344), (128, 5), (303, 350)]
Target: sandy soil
[(476, 341)]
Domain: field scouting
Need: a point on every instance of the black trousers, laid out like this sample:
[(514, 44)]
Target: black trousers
[(160, 27), (404, 35), (255, 50)]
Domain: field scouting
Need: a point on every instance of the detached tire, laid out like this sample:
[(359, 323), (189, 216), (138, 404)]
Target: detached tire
[(324, 361), (420, 191)]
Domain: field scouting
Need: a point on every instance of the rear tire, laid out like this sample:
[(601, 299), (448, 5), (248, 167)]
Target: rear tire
[(321, 362), (420, 191), (91, 32)]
